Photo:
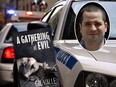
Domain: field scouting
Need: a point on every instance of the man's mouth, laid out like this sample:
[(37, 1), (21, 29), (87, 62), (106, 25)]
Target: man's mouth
[(92, 34)]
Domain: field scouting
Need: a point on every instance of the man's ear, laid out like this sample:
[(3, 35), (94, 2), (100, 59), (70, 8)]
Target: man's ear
[(106, 26)]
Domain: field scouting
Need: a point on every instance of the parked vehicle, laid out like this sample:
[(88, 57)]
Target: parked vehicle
[(77, 66), (7, 54)]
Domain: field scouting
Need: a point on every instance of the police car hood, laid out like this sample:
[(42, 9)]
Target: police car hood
[(106, 54)]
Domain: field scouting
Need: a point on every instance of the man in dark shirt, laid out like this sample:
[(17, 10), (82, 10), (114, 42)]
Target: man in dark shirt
[(93, 27)]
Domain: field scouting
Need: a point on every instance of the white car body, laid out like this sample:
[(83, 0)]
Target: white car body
[(101, 61), (72, 59), (6, 65), (74, 62)]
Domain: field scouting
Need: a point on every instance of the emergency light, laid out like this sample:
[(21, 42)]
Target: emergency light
[(29, 13), (10, 11)]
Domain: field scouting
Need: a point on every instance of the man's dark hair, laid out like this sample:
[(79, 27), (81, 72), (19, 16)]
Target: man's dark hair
[(92, 8)]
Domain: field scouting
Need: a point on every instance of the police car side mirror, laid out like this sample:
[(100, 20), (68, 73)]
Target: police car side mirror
[(37, 25)]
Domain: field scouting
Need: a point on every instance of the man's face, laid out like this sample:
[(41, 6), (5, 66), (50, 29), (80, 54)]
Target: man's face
[(93, 27)]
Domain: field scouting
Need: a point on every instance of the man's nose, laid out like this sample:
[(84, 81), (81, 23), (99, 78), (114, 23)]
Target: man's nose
[(93, 27)]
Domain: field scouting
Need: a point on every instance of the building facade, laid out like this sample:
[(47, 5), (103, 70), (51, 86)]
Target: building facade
[(24, 5)]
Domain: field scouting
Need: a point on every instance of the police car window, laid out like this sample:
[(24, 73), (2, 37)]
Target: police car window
[(2, 32), (112, 15), (18, 28), (69, 26), (22, 27), (9, 35), (53, 21), (45, 18)]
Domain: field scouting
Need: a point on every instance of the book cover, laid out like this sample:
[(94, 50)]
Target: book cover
[(35, 59)]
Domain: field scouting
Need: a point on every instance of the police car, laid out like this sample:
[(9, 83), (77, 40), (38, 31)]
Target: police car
[(77, 66)]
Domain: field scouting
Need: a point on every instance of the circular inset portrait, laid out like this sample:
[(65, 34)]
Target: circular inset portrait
[(92, 26)]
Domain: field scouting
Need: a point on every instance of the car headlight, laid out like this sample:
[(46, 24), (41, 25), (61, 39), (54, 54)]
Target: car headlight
[(96, 80), (113, 83)]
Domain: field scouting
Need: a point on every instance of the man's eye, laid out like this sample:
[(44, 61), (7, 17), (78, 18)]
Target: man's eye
[(87, 24), (97, 24)]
